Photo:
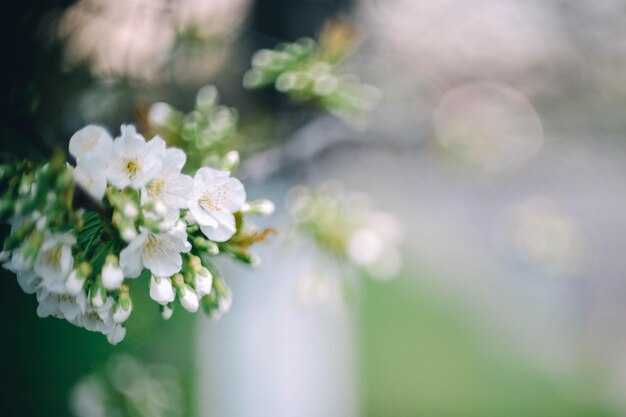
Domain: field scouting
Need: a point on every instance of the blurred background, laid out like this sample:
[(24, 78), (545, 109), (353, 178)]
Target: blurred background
[(498, 143)]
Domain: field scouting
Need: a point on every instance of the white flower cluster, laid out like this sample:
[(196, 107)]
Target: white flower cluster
[(158, 219)]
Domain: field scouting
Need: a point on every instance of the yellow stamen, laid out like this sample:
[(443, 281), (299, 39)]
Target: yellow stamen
[(156, 186), (131, 167)]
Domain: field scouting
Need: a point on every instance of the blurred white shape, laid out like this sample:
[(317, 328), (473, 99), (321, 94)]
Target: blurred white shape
[(160, 113), (365, 247), (469, 37), (277, 354), (136, 38), (488, 124), (88, 399), (320, 285), (375, 246), (127, 388), (542, 235)]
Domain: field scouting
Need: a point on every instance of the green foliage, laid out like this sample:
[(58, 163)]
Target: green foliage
[(308, 73), (207, 133)]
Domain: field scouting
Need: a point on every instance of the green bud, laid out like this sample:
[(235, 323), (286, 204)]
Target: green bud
[(195, 263), (123, 306), (212, 248), (210, 303), (178, 281), (124, 297), (200, 243)]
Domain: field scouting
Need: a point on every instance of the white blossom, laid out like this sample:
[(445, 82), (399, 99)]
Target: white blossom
[(66, 306), (116, 334), (93, 179), (28, 281), (54, 262), (98, 318), (91, 145), (134, 161), (215, 198), (26, 277), (158, 252), (18, 262), (169, 187)]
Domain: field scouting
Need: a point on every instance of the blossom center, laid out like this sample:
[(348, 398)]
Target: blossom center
[(131, 167), (94, 316), (216, 199), (65, 298), (155, 246), (156, 186), (52, 257)]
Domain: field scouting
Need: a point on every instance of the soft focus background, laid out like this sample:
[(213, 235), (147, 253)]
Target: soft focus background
[(499, 144)]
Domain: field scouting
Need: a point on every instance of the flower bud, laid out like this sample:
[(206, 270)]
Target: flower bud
[(224, 295), (188, 298), (123, 307), (251, 259), (127, 231), (130, 211), (116, 335), (195, 263), (97, 294), (212, 248), (160, 209), (154, 210), (166, 312), (112, 275), (259, 208), (203, 282), (206, 245), (76, 280), (154, 225), (161, 290)]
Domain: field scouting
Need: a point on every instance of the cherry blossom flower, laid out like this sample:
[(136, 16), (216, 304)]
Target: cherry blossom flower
[(92, 145), (134, 161), (216, 196), (54, 262), (158, 252), (169, 186)]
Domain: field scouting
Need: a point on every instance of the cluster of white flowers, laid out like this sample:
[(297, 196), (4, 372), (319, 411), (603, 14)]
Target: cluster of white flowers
[(155, 218)]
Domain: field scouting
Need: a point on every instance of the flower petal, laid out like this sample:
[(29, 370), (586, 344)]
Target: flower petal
[(130, 257), (225, 229)]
